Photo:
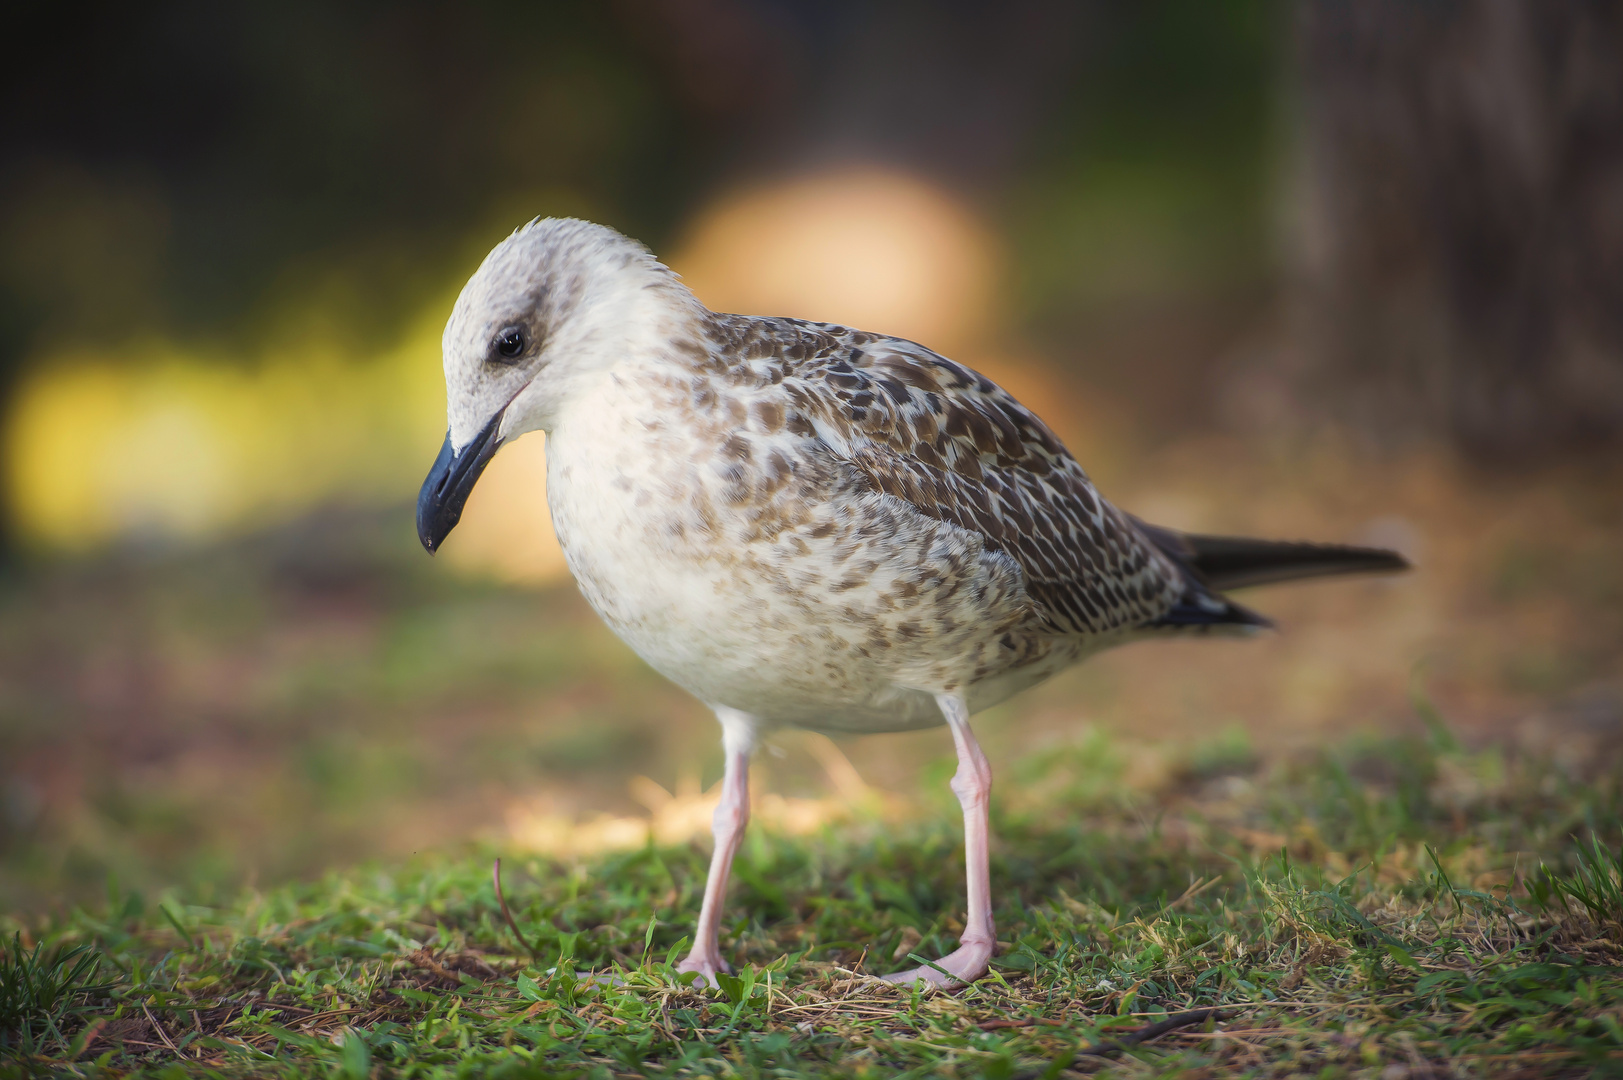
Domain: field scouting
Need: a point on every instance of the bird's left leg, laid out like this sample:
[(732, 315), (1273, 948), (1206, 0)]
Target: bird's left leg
[(972, 783), (732, 815)]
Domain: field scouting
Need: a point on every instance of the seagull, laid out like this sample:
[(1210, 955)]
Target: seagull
[(809, 525)]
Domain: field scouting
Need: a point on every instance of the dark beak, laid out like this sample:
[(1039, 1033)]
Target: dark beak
[(450, 482)]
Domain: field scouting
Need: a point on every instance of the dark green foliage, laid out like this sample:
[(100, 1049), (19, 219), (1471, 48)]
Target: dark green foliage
[(40, 989), (1594, 886)]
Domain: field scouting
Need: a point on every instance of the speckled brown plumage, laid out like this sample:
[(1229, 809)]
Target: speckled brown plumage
[(960, 449)]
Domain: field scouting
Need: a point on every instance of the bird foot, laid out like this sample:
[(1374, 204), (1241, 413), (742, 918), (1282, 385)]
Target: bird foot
[(960, 967), (706, 966)]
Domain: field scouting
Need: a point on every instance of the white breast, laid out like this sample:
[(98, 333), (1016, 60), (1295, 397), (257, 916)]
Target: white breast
[(814, 605)]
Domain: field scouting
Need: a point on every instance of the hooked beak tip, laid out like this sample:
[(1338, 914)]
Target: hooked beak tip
[(450, 481)]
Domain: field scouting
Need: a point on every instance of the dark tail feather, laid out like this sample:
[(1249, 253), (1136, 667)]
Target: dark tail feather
[(1231, 562), (1201, 610)]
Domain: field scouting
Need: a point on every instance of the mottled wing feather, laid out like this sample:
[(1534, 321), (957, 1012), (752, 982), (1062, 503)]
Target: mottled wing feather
[(962, 450)]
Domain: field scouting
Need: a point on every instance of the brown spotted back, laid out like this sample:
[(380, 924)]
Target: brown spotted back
[(961, 450)]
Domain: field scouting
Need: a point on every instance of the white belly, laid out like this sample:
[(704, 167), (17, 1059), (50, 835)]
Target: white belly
[(808, 604)]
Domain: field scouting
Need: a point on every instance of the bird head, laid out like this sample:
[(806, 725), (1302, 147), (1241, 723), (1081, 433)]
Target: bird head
[(551, 308)]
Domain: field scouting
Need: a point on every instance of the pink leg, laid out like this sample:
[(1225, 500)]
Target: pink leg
[(972, 783), (732, 814)]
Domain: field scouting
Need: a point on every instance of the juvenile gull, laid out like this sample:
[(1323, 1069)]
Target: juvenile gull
[(804, 524)]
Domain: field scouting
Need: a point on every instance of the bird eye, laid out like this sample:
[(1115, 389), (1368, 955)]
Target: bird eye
[(509, 344)]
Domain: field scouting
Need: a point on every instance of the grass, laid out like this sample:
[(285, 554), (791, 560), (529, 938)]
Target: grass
[(1398, 907), (40, 992)]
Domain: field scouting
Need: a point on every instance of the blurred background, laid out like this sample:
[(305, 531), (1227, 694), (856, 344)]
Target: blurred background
[(1329, 270)]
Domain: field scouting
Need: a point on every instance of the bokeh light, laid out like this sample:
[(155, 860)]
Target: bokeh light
[(863, 247), (156, 442)]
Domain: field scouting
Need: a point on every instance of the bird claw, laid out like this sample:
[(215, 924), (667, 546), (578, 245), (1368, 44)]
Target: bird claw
[(960, 967), (707, 967)]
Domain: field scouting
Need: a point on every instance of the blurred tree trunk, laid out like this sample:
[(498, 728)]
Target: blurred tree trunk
[(1460, 235)]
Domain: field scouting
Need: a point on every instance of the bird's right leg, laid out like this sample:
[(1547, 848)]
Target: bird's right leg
[(972, 783), (732, 815)]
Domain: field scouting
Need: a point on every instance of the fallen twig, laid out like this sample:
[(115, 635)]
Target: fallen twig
[(496, 877), (1153, 1031), (1116, 1045), (997, 1025), (423, 959), (1194, 890), (162, 1034)]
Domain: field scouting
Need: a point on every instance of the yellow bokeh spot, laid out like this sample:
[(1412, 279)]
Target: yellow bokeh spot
[(154, 440)]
